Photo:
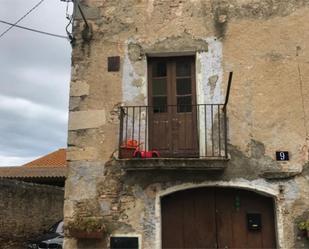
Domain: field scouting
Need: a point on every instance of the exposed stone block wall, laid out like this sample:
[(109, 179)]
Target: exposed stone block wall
[(27, 210)]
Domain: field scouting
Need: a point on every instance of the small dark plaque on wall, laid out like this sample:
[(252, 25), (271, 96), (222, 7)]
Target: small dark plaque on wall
[(124, 242), (282, 156), (113, 64)]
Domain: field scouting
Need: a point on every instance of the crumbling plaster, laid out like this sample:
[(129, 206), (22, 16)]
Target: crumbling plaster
[(263, 42), (133, 71)]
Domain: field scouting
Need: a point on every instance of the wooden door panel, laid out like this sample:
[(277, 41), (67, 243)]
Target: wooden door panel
[(205, 218), (160, 133), (232, 208), (172, 223), (184, 114), (216, 218), (224, 218), (188, 220), (159, 118), (266, 206), (184, 142)]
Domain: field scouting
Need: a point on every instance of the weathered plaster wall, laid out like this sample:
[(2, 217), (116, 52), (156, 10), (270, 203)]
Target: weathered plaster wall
[(262, 42), (258, 44), (130, 201)]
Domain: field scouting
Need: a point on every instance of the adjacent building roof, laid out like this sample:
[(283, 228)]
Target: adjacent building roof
[(52, 165), (52, 160), (27, 172)]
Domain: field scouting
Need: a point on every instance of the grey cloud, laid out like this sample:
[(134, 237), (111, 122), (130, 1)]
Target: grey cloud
[(34, 82)]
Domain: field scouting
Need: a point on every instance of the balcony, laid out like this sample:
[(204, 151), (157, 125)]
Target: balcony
[(182, 136)]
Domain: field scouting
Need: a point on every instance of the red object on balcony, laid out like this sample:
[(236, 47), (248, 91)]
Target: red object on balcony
[(125, 153), (145, 154), (130, 144), (127, 149)]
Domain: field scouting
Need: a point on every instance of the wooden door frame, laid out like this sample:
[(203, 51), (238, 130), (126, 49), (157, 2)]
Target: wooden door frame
[(267, 190)]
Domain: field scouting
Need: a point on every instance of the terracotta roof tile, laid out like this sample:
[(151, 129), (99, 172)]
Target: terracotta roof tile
[(51, 165), (24, 172), (54, 159)]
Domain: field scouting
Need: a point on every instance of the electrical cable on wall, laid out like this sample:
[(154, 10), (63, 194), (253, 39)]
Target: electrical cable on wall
[(70, 18)]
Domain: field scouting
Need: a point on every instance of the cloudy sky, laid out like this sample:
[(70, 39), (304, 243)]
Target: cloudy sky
[(34, 82)]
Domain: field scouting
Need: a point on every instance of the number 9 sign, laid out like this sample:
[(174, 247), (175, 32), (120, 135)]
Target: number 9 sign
[(282, 155)]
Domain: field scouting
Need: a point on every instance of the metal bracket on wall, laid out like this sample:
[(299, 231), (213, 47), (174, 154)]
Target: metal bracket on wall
[(228, 90)]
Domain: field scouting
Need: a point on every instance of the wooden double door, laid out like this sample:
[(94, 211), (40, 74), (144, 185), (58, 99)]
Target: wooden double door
[(172, 106), (217, 218)]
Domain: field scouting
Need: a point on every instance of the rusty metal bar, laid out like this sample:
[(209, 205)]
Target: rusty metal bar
[(219, 129), (133, 123), (82, 14), (212, 130), (121, 115), (186, 122), (198, 126), (139, 125), (146, 126), (225, 133), (228, 90), (205, 114), (127, 120)]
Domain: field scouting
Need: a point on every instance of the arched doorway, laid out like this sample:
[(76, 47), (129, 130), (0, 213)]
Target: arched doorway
[(210, 217)]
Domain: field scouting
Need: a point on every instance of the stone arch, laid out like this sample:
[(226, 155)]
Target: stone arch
[(260, 187)]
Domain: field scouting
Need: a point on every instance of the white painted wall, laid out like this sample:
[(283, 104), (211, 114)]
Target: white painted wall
[(208, 64)]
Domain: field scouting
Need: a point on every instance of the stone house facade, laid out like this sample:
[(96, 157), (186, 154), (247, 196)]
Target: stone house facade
[(153, 74)]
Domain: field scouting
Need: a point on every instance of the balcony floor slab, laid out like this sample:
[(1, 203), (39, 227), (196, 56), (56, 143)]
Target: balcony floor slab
[(201, 164)]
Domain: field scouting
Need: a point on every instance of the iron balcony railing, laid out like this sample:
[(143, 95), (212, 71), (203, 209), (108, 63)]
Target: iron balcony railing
[(173, 131)]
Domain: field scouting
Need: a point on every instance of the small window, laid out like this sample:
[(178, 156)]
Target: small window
[(183, 86), (184, 104), (159, 69), (159, 104), (113, 64), (124, 243), (159, 87), (183, 68)]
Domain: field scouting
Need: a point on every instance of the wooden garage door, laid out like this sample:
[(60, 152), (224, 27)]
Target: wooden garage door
[(217, 218)]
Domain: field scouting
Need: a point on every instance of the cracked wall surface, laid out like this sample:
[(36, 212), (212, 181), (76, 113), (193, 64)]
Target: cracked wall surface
[(263, 42)]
